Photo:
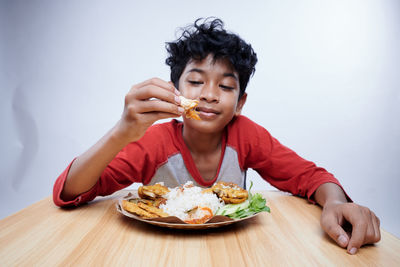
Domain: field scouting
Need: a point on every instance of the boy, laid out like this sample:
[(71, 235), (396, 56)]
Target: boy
[(212, 66)]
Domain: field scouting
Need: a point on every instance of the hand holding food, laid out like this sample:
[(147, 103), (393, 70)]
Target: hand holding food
[(146, 103)]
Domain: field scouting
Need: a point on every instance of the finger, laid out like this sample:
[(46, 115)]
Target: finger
[(155, 116), (331, 225), (159, 106), (160, 83), (177, 92), (376, 224), (359, 232), (151, 92)]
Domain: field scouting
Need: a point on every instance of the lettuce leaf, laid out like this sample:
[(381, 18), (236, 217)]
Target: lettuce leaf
[(254, 204)]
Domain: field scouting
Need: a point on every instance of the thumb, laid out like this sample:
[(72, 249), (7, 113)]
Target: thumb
[(332, 227)]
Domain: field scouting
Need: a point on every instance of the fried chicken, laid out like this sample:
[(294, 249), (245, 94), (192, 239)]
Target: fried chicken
[(189, 106), (207, 191), (152, 191), (230, 193)]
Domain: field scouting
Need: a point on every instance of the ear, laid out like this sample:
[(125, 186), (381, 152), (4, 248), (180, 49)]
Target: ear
[(240, 104)]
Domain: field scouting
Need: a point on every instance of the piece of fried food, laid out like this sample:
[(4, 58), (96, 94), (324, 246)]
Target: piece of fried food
[(141, 200), (153, 210), (152, 191), (230, 193), (207, 191), (189, 106), (155, 203), (143, 210), (158, 201), (135, 209)]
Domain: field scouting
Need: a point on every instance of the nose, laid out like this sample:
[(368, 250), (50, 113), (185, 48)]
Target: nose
[(209, 93)]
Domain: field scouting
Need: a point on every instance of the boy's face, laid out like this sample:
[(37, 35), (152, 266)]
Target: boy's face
[(216, 85)]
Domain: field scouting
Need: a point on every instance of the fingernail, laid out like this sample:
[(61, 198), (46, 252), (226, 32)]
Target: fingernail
[(177, 92), (353, 251), (342, 240), (180, 110), (177, 100)]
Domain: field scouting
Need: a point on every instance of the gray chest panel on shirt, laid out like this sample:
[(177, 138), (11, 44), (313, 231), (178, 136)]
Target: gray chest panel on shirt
[(174, 172)]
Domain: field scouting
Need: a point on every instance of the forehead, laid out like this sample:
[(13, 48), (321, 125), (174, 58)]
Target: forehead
[(211, 65)]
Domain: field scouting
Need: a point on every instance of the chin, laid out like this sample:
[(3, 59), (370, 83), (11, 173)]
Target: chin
[(207, 127)]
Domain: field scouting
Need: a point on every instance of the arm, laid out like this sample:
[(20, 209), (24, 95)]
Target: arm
[(337, 212), (87, 168), (145, 103), (287, 171)]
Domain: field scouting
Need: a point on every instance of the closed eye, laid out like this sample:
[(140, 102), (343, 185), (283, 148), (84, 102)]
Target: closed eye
[(226, 87), (195, 82)]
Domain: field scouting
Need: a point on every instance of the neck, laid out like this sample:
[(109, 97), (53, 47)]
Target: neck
[(201, 143)]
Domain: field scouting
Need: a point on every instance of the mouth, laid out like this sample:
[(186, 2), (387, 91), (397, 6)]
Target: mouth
[(207, 113)]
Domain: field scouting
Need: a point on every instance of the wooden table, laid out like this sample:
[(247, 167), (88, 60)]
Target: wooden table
[(97, 235)]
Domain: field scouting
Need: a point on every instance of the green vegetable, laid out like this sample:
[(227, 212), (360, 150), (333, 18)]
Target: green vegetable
[(233, 208), (254, 204)]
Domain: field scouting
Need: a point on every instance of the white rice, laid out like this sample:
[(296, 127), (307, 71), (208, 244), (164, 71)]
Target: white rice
[(179, 201)]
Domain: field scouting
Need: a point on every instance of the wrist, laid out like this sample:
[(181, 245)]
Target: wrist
[(333, 202), (330, 194), (122, 134)]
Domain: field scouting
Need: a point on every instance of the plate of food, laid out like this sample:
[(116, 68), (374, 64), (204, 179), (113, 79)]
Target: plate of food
[(192, 207)]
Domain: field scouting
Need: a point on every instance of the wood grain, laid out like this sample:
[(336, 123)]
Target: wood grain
[(97, 235)]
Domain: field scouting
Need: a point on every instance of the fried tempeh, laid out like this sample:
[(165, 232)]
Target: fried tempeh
[(153, 210), (141, 200), (155, 203), (143, 210), (135, 209)]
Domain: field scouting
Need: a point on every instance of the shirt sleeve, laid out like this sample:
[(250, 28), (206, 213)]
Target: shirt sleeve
[(59, 186), (121, 172), (281, 166), (135, 163)]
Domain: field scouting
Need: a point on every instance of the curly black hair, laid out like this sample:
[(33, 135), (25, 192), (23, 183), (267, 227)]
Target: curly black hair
[(200, 40)]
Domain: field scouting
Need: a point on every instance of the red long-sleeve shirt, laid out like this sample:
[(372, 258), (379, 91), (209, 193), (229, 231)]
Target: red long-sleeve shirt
[(162, 156)]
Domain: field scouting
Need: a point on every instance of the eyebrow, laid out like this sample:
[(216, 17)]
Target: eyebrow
[(230, 74), (227, 74)]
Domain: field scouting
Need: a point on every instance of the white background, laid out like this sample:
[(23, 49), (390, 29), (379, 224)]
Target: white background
[(327, 84)]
